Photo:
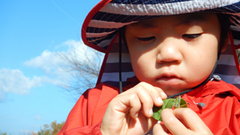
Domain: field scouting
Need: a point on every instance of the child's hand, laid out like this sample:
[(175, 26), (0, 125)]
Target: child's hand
[(181, 121), (131, 112)]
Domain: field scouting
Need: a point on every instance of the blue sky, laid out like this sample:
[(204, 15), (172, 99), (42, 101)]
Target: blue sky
[(32, 33)]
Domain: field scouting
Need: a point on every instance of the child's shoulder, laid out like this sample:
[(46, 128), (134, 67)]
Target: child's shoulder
[(216, 88), (100, 90), (220, 87), (231, 86)]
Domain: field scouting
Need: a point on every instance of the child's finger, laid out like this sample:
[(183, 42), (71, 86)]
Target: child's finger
[(135, 106), (172, 123), (127, 102), (158, 95), (158, 129), (191, 120), (142, 91), (149, 95), (142, 96)]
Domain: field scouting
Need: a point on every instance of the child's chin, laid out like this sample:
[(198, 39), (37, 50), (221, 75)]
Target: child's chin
[(172, 89)]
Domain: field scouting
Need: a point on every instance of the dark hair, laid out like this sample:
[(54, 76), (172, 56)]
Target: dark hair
[(225, 23)]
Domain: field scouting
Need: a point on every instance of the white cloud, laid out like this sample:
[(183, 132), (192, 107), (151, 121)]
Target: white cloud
[(47, 61), (79, 48), (14, 81), (52, 63)]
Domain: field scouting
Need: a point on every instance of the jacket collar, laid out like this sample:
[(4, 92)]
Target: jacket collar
[(215, 88)]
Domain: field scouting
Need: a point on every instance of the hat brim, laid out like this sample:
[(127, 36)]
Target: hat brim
[(103, 21)]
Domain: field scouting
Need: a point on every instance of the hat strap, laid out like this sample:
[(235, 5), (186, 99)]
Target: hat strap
[(120, 61)]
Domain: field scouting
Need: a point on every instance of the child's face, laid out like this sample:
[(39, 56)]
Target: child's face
[(174, 53)]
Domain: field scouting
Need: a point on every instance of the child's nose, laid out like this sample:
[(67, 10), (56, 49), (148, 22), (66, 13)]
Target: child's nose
[(169, 51)]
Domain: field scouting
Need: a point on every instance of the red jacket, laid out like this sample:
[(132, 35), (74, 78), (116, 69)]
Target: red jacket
[(221, 112)]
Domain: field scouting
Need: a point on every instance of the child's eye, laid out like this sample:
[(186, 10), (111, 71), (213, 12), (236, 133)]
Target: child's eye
[(191, 36), (146, 38)]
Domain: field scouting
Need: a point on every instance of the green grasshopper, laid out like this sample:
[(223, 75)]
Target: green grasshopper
[(168, 103)]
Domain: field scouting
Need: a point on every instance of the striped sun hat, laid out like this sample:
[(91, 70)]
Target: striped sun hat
[(100, 31)]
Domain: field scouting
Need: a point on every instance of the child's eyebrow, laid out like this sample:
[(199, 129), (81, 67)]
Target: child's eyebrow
[(181, 20), (193, 19)]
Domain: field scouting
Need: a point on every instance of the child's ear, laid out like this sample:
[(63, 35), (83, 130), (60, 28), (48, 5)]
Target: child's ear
[(224, 46)]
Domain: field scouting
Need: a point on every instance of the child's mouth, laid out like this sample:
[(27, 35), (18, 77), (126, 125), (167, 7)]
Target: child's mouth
[(169, 80), (166, 78)]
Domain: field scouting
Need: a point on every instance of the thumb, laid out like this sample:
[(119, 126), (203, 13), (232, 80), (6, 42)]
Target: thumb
[(159, 129)]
